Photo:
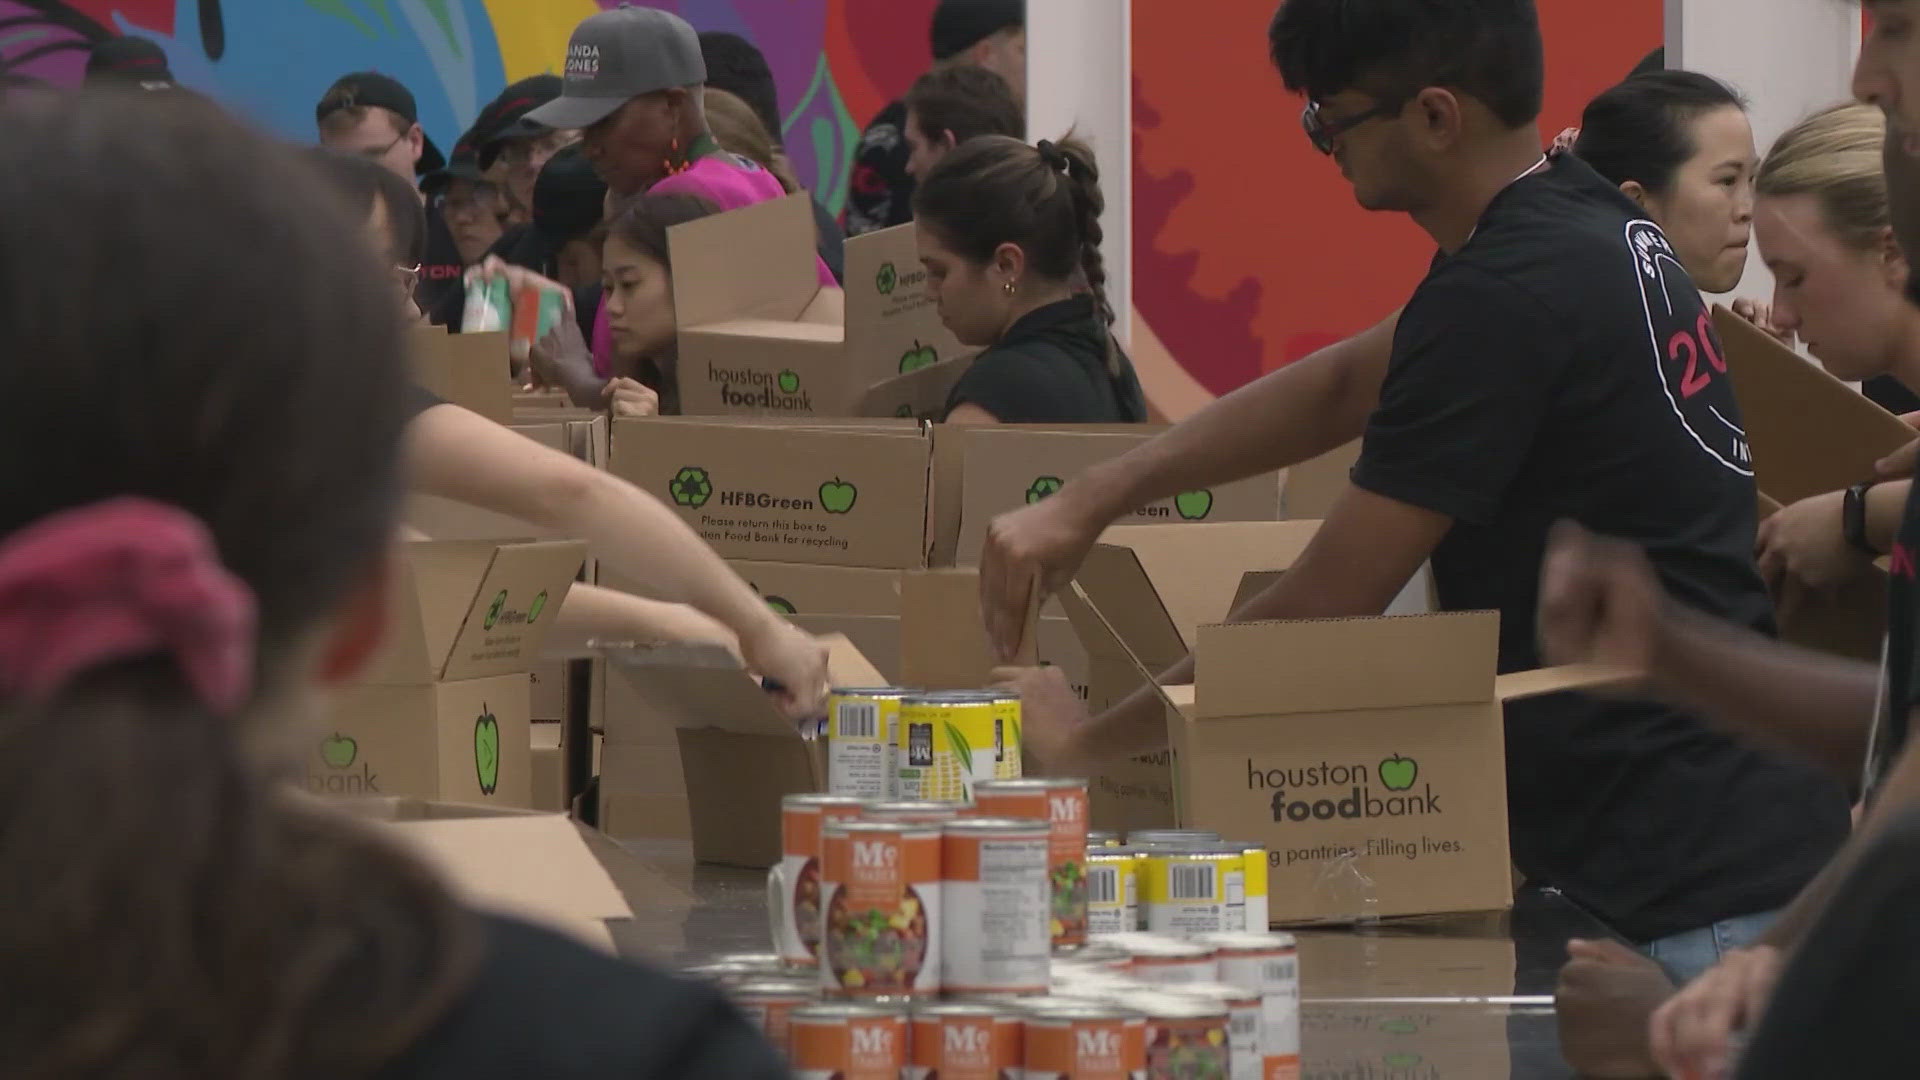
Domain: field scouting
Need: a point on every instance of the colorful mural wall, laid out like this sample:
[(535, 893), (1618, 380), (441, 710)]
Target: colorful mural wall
[(1249, 251), (837, 62)]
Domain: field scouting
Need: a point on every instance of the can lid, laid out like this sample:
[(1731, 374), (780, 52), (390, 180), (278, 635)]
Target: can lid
[(806, 989), (1161, 1005), (1138, 835), (913, 806), (1118, 852), (1065, 1009), (953, 697), (819, 798), (964, 1008), (830, 1011), (1149, 951), (1093, 952), (770, 961), (1202, 849), (873, 691), (1247, 940), (1030, 783), (887, 827), (1215, 991), (994, 826)]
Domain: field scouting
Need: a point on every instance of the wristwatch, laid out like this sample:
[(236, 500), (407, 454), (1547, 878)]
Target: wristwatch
[(1853, 519)]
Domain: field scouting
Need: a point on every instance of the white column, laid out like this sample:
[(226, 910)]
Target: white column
[(1080, 76), (1788, 57)]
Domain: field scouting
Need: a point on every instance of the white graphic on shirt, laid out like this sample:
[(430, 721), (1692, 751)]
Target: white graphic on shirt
[(1686, 351)]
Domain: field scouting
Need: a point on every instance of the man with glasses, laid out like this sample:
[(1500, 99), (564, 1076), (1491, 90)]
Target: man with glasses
[(1555, 363), (513, 150), (372, 115)]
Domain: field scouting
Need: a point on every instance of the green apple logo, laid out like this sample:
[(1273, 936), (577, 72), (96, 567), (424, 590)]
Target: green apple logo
[(1043, 486), (690, 487), (534, 609), (1402, 1060), (918, 357), (886, 279), (904, 411), (493, 613), (338, 750), (1401, 1026), (486, 750), (789, 382), (1397, 773), (1194, 505), (837, 496), (781, 605)]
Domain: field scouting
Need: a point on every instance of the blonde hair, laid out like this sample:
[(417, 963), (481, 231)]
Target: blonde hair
[(739, 130), (1834, 155)]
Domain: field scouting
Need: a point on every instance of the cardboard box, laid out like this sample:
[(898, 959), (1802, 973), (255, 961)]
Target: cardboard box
[(738, 753), (444, 519), (876, 636), (1058, 646), (442, 710), (841, 496), (1006, 466), (943, 637), (549, 768), (806, 589), (534, 866), (468, 370), (761, 337)]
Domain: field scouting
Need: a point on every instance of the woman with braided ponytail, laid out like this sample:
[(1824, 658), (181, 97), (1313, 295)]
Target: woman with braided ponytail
[(1010, 236)]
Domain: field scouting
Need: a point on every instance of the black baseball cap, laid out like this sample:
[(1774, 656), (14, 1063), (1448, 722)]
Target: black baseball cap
[(462, 165), (128, 62), (959, 25), (507, 115), (618, 55), (370, 88), (568, 197)]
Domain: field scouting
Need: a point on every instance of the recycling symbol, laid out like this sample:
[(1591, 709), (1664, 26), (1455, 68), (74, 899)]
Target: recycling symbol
[(691, 488), (886, 279)]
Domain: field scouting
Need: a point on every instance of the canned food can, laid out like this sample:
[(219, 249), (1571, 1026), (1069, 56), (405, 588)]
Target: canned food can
[(1062, 804), (848, 1042), (793, 887), (725, 973), (1269, 963), (1113, 891), (771, 963), (1256, 870), (1007, 735), (965, 1041), (1094, 956), (1172, 836), (1195, 890), (770, 1003), (880, 891), (995, 894), (950, 741), (1186, 1036), (916, 813), (1173, 963), (1140, 858), (1102, 838), (862, 738), (1086, 1042), (1243, 1007)]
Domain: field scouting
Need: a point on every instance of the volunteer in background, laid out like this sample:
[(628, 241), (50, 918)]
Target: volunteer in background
[(568, 200), (954, 103), (737, 66), (738, 130), (458, 455), (176, 595), (128, 62), (372, 115), (518, 148), (470, 204), (986, 33), (1528, 345), (1008, 233)]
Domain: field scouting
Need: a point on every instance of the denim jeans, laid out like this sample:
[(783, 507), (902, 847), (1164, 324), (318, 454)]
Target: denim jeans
[(1689, 953)]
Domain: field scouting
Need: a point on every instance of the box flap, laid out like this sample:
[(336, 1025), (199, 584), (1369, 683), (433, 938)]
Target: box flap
[(921, 393), (434, 586), (892, 320), (1810, 433), (1113, 581), (468, 370), (1339, 665), (1521, 685), (770, 330), (703, 686), (712, 282), (943, 638), (1198, 569), (498, 630)]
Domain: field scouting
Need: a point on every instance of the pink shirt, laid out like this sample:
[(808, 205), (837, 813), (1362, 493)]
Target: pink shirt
[(728, 182)]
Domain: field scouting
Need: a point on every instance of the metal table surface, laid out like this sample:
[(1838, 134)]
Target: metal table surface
[(1412, 999)]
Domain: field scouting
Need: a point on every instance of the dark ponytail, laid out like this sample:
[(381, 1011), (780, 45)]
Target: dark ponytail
[(1638, 131), (169, 907)]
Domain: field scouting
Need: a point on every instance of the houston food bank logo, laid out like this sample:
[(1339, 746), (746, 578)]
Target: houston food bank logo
[(1298, 794), (748, 388)]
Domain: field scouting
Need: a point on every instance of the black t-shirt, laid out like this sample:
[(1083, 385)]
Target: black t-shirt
[(1903, 650), (880, 194), (1562, 365), (441, 290), (1051, 368), (544, 1006)]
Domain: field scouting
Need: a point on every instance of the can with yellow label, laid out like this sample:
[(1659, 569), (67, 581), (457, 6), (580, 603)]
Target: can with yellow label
[(1256, 885), (863, 741), (950, 740), (1195, 890)]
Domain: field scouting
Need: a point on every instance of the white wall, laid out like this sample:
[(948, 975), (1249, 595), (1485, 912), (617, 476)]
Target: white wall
[(1080, 76), (1789, 57)]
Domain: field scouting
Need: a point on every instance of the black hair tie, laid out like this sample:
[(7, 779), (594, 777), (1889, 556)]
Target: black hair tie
[(1053, 157)]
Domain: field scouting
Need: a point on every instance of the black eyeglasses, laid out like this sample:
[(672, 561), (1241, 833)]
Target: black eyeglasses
[(1323, 133)]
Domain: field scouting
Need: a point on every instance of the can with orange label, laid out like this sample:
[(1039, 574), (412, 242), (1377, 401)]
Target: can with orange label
[(1269, 963), (1187, 1036), (793, 886), (965, 1041), (880, 902), (1062, 804), (843, 1041), (995, 905), (770, 1003), (1244, 1018), (1095, 1042)]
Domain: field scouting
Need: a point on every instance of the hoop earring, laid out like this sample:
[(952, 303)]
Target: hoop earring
[(673, 164)]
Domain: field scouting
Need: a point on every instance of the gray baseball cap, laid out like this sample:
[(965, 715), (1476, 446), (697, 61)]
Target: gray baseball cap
[(618, 55)]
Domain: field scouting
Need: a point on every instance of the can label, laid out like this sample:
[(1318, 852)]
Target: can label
[(1163, 971), (1194, 894), (1064, 808), (947, 747), (798, 879), (774, 1017), (996, 906), (969, 1047), (1007, 737), (853, 1048), (881, 914), (1182, 1048), (1256, 869), (861, 736), (1276, 974), (1061, 1048), (1113, 896)]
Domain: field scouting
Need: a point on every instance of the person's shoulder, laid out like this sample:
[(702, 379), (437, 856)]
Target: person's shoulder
[(545, 1005)]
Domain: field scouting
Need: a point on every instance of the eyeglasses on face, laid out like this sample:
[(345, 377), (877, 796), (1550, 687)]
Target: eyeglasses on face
[(1325, 134)]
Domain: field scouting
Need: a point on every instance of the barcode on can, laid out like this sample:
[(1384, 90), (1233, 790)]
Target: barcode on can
[(1190, 882), (1103, 885), (1244, 1026), (1275, 971), (858, 720)]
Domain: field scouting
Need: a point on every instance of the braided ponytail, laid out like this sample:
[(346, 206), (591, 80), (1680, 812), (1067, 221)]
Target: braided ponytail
[(1082, 172)]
